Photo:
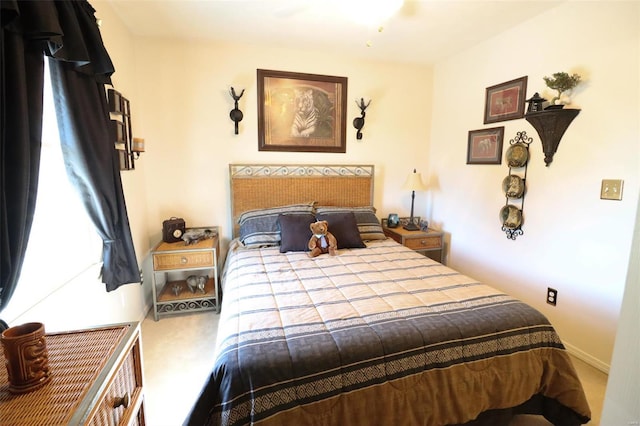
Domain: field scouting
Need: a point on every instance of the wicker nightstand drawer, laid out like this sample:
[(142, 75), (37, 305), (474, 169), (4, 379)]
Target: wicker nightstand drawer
[(423, 243), (163, 262)]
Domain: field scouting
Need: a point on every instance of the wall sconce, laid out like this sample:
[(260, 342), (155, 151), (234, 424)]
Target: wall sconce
[(551, 125), (235, 114), (358, 122), (137, 147), (413, 184)]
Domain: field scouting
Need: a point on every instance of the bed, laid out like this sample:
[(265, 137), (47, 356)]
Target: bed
[(376, 335)]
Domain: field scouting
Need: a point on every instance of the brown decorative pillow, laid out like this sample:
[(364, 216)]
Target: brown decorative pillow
[(294, 231), (344, 227)]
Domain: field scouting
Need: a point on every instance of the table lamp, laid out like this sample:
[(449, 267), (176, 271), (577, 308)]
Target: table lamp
[(413, 183)]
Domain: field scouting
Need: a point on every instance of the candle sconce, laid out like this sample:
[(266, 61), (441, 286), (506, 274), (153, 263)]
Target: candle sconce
[(235, 114), (137, 147), (358, 122)]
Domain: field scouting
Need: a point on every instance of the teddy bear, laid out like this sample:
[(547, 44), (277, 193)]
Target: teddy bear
[(322, 241)]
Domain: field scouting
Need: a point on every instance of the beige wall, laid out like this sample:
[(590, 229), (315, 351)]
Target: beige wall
[(573, 241), (183, 113), (419, 117)]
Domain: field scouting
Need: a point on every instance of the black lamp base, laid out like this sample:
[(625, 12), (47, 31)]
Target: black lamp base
[(411, 226)]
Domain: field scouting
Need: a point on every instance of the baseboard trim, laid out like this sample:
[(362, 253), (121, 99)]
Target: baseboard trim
[(145, 312), (591, 360)]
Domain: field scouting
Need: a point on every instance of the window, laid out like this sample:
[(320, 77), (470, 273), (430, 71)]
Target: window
[(63, 241)]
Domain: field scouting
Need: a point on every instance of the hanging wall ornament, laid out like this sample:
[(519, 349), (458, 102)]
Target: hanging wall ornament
[(358, 122), (514, 185), (236, 114)]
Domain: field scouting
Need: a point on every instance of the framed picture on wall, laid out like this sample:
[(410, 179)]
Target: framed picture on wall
[(505, 101), (485, 146), (301, 112)]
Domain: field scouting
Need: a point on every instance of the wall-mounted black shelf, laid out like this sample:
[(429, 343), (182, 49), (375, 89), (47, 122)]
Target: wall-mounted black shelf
[(551, 125)]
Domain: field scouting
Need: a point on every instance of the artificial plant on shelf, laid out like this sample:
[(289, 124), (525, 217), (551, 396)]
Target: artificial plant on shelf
[(562, 82)]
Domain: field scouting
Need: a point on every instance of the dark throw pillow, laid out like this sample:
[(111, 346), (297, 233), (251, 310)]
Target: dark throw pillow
[(295, 232), (344, 227)]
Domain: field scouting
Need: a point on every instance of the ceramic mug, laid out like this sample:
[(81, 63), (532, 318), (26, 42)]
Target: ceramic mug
[(26, 357)]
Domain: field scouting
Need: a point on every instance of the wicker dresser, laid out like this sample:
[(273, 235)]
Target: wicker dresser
[(96, 380)]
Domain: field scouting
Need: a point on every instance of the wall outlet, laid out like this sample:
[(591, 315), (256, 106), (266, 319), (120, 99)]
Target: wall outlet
[(552, 296), (611, 189)]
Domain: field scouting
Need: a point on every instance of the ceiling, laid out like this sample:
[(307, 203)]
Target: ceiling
[(421, 31)]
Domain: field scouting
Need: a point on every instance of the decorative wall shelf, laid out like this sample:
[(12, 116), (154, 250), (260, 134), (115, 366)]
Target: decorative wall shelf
[(551, 125)]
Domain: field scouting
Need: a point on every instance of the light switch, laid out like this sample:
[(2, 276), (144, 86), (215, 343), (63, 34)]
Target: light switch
[(611, 189)]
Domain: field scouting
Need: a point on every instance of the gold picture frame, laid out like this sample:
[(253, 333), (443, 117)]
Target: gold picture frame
[(301, 112)]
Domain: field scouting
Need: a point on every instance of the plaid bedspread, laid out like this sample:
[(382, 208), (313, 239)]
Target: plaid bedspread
[(377, 336)]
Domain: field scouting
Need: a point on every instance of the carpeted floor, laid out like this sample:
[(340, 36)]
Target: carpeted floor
[(178, 356)]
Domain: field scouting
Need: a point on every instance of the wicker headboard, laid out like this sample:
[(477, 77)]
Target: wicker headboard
[(256, 186)]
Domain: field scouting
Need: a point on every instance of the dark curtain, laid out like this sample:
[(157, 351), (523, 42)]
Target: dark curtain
[(67, 31), (77, 78), (24, 31)]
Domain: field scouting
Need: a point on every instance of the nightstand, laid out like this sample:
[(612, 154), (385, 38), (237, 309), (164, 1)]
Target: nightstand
[(185, 276), (430, 243), (96, 379)]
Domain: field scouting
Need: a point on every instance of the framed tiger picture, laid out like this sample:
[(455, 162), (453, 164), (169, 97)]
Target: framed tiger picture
[(301, 112)]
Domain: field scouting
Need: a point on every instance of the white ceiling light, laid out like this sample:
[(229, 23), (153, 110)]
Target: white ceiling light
[(370, 12)]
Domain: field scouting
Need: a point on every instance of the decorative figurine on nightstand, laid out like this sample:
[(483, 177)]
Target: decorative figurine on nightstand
[(196, 282), (202, 281), (192, 282), (194, 235), (393, 220), (176, 289), (424, 225)]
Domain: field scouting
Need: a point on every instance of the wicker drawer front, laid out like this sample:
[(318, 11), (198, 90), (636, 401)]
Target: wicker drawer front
[(121, 400), (424, 243), (182, 260)]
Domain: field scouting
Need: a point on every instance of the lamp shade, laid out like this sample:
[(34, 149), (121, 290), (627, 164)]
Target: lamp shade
[(414, 182)]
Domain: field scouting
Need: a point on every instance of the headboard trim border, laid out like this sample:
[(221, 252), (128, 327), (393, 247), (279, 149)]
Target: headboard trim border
[(289, 170)]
